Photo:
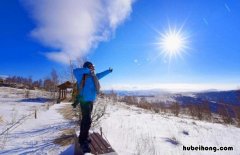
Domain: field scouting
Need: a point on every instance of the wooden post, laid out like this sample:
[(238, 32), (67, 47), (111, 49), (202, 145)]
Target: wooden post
[(35, 114), (101, 130), (65, 93), (59, 93)]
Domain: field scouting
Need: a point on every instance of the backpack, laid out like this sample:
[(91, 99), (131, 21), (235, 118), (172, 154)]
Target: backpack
[(76, 98)]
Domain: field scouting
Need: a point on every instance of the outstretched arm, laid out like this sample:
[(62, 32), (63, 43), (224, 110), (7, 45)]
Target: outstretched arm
[(104, 73)]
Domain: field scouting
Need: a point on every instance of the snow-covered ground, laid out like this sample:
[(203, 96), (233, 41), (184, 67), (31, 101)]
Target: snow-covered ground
[(27, 135), (129, 130)]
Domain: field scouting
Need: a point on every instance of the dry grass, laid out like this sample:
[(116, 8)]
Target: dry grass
[(1, 119), (66, 138), (68, 112)]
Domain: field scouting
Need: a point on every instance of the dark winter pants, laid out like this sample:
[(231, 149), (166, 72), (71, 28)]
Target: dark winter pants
[(86, 121)]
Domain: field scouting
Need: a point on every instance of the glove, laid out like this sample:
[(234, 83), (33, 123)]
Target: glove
[(110, 69)]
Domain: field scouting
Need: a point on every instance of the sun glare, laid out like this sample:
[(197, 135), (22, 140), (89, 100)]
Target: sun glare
[(172, 43)]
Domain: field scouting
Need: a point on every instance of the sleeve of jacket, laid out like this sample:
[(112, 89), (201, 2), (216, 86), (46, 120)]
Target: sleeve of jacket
[(102, 74), (78, 73)]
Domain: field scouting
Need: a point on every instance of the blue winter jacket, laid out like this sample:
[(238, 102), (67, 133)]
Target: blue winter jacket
[(88, 92)]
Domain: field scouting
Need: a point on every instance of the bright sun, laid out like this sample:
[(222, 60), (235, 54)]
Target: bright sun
[(172, 43)]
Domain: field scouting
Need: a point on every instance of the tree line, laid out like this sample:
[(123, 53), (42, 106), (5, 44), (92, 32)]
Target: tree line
[(49, 83)]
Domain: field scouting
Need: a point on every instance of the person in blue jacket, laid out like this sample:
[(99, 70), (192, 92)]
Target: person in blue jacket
[(88, 87)]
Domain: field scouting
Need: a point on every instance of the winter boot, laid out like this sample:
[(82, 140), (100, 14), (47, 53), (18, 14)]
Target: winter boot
[(80, 141), (89, 140), (85, 148)]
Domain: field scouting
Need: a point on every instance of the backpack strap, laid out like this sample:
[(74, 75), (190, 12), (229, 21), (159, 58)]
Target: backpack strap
[(83, 81), (96, 83), (82, 84)]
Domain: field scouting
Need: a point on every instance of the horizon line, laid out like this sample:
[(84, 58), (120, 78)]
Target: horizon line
[(174, 87)]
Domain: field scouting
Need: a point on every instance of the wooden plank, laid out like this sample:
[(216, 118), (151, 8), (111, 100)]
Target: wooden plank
[(100, 141), (93, 150), (107, 146), (94, 145), (98, 145)]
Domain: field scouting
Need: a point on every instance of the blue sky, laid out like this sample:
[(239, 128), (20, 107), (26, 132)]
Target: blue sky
[(211, 59)]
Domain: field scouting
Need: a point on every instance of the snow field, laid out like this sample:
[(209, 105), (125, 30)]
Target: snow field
[(131, 130), (30, 135)]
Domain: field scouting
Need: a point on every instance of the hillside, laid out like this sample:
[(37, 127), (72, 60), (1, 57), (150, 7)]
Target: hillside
[(132, 130)]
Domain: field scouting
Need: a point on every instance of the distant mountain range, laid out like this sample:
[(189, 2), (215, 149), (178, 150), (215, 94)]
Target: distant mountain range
[(146, 93), (213, 97)]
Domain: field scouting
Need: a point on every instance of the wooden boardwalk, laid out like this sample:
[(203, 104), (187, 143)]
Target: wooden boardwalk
[(98, 145)]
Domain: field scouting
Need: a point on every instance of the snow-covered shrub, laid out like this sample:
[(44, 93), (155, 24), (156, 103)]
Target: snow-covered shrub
[(113, 96), (175, 108), (99, 110), (156, 109), (224, 113), (191, 110), (130, 100), (195, 110), (199, 111), (207, 114), (161, 106), (144, 104), (237, 114)]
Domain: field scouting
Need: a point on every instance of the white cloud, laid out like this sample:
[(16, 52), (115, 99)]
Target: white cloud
[(73, 27)]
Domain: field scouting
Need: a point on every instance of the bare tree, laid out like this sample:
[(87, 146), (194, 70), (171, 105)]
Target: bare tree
[(223, 111), (67, 73), (236, 109), (71, 67), (175, 108), (143, 103), (206, 110), (54, 79), (195, 111), (113, 96), (161, 106), (47, 84), (29, 82), (130, 100)]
